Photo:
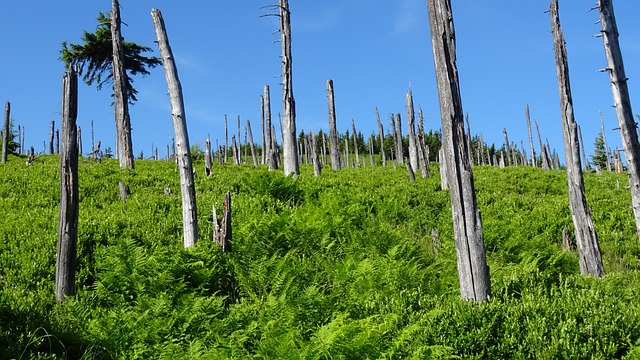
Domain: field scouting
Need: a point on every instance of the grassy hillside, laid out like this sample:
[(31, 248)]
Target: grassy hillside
[(338, 267)]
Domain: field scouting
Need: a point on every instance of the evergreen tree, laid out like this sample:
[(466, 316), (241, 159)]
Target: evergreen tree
[(599, 157)]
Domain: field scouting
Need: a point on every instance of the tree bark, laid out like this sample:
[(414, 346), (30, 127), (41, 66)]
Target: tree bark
[(289, 140), (317, 166), (5, 131), (334, 141), (622, 103), (546, 163), (52, 133), (473, 271), (263, 159), (400, 148), (254, 156), (586, 238), (411, 126), (506, 147), (423, 150), (68, 218), (269, 133), (533, 154), (207, 157), (120, 97), (222, 228), (355, 143), (183, 153), (381, 133), (604, 139)]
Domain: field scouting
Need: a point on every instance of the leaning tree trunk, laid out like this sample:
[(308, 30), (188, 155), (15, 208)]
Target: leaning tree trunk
[(254, 156), (381, 131), (604, 139), (473, 271), (334, 141), (68, 219), (183, 153), (506, 146), (585, 233), (289, 140), (533, 154), (622, 103), (269, 133), (544, 154), (399, 145), (120, 97), (411, 130), (355, 143), (5, 131)]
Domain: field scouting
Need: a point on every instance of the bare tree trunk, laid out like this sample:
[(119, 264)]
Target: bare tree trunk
[(372, 160), (68, 218), (269, 133), (423, 149), (289, 140), (222, 228), (411, 120), (585, 233), (5, 132), (324, 149), (604, 139), (546, 164), (506, 147), (468, 139), (263, 133), (410, 172), (533, 154), (381, 132), (317, 166), (444, 184), (183, 153), (207, 157), (622, 103), (254, 156), (355, 142), (52, 134), (120, 96), (473, 271), (584, 153), (79, 141), (239, 144), (400, 149), (334, 141), (57, 142)]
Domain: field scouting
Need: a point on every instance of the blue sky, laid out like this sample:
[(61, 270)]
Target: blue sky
[(372, 50)]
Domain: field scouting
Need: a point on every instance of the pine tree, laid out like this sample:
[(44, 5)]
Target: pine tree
[(599, 157)]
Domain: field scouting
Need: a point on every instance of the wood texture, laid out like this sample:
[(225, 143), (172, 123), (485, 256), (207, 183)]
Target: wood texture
[(334, 141), (183, 153), (289, 139), (5, 132)]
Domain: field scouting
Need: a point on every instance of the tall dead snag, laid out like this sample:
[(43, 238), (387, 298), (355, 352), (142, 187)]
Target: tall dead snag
[(183, 153), (289, 139), (5, 132), (222, 228), (604, 139), (399, 149), (355, 143), (372, 160), (254, 156), (52, 133), (68, 218), (533, 154), (120, 98), (585, 234), (263, 158), (423, 149), (226, 139), (622, 103), (544, 154), (334, 141), (506, 146), (270, 135), (381, 131), (317, 166), (473, 271), (411, 130), (207, 156), (584, 153)]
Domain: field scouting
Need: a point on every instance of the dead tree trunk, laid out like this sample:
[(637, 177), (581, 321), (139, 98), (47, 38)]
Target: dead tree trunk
[(263, 135), (183, 153), (5, 131), (533, 154), (546, 163), (222, 228), (468, 139), (423, 149), (582, 151), (473, 271), (604, 139), (334, 141), (506, 147), (400, 148), (269, 133), (622, 103), (52, 134), (355, 143), (586, 238), (68, 218), (207, 156), (410, 172), (317, 166), (120, 95), (411, 130), (57, 141), (289, 140), (381, 131), (444, 185), (254, 155), (79, 141)]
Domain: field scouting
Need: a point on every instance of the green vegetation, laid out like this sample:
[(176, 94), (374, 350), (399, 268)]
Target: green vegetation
[(342, 266)]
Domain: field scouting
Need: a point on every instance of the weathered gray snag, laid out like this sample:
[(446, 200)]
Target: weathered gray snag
[(399, 149), (120, 98), (68, 218), (57, 141), (207, 156), (473, 271), (584, 153), (334, 141), (622, 103), (411, 130), (289, 140), (234, 150), (355, 143), (544, 154), (5, 132), (222, 228), (586, 238), (269, 132), (52, 134), (372, 160), (410, 172), (533, 154), (604, 139), (124, 190), (79, 141), (317, 166), (381, 132), (506, 147), (254, 156), (183, 153), (423, 149), (263, 159)]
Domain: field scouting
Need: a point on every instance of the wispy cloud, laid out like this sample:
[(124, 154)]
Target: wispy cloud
[(320, 21)]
